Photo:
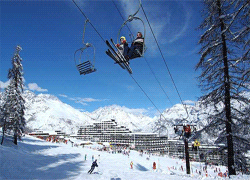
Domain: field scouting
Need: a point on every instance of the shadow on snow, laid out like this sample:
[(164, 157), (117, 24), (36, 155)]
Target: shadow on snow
[(140, 167), (29, 164)]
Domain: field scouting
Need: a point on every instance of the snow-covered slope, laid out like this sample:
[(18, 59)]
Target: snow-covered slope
[(37, 159)]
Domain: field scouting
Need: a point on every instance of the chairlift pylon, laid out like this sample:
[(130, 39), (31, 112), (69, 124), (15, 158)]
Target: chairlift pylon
[(84, 60)]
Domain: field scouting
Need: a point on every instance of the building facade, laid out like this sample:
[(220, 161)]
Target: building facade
[(109, 131)]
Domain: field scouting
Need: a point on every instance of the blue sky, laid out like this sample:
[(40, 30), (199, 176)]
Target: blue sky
[(50, 31)]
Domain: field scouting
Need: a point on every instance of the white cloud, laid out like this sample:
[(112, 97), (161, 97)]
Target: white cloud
[(4, 84), (82, 101), (130, 88), (90, 100), (135, 111), (189, 102), (63, 95), (163, 22), (35, 87), (184, 28)]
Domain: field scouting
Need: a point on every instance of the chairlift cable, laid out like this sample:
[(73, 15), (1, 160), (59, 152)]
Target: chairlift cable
[(161, 114), (122, 17), (158, 81), (184, 105), (89, 21), (144, 56), (146, 95), (105, 43)]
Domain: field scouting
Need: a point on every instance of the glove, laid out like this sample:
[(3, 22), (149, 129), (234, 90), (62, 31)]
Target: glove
[(117, 45), (124, 41)]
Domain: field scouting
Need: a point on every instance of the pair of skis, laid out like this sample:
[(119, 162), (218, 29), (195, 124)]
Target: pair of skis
[(117, 56)]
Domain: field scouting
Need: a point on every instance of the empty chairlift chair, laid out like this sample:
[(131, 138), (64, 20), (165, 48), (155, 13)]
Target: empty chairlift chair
[(85, 59)]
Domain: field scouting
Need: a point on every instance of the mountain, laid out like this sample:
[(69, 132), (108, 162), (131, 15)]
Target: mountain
[(135, 121), (47, 112)]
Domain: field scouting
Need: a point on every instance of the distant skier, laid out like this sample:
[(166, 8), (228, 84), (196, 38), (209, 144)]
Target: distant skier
[(196, 144), (85, 158), (131, 165), (94, 164), (154, 165)]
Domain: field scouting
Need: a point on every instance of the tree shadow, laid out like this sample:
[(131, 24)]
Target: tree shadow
[(140, 167), (25, 162)]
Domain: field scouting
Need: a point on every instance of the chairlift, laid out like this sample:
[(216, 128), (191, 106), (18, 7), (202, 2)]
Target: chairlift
[(85, 60), (187, 129), (130, 19)]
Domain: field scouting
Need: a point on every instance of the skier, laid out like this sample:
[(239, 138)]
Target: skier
[(131, 164), (196, 144), (137, 45), (85, 158), (187, 131), (94, 164), (202, 157), (154, 165), (123, 46)]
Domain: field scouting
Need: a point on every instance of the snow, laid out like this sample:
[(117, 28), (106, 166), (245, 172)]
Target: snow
[(37, 159)]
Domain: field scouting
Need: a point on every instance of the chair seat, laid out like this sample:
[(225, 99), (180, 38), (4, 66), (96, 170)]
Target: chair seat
[(86, 68)]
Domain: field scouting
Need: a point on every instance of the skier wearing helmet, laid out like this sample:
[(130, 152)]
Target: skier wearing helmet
[(123, 46)]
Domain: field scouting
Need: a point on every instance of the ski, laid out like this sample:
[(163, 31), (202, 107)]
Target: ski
[(110, 54), (124, 61), (121, 60)]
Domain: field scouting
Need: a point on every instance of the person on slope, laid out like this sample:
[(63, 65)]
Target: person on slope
[(131, 164), (94, 164), (196, 145)]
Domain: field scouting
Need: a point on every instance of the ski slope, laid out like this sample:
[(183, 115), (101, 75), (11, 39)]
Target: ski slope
[(37, 159)]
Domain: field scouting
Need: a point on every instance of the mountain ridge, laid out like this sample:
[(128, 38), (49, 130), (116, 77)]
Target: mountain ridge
[(48, 112)]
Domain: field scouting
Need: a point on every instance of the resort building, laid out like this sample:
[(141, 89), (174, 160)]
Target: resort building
[(109, 131)]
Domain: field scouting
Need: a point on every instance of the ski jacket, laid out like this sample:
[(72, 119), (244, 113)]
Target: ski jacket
[(196, 143), (187, 129), (123, 46), (138, 41), (94, 164)]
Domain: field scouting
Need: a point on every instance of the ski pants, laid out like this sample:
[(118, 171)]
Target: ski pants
[(91, 170)]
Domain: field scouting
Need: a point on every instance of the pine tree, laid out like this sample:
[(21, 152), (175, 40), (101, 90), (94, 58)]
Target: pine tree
[(222, 77), (12, 110)]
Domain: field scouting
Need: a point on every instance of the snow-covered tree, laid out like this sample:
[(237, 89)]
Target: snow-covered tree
[(223, 65), (12, 116), (241, 33)]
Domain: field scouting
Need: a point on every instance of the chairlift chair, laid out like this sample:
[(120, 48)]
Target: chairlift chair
[(130, 19), (192, 126), (84, 63)]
